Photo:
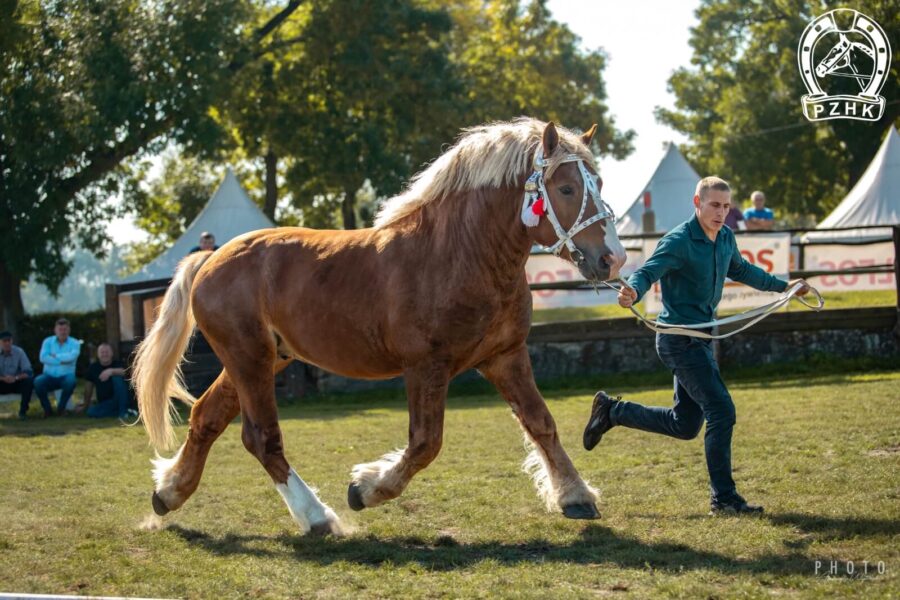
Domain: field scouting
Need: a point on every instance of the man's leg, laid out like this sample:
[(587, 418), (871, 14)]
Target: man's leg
[(682, 421), (25, 387), (104, 409), (120, 395), (42, 385), (698, 374), (67, 383)]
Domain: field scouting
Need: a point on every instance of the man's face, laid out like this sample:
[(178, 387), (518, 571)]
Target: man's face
[(6, 345), (104, 353), (207, 243), (61, 331), (759, 202), (711, 210)]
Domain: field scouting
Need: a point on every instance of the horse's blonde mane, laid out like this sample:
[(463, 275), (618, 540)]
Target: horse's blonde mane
[(486, 156)]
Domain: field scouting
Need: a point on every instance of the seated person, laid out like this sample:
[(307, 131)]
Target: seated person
[(59, 353), (15, 372), (106, 376)]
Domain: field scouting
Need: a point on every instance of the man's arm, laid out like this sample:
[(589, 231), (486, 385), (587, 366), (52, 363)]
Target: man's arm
[(24, 366), (71, 352), (46, 357), (665, 258)]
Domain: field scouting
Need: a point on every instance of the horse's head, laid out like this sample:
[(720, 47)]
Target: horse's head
[(837, 57), (564, 211)]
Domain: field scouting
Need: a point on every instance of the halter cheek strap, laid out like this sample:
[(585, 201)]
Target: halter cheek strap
[(537, 202)]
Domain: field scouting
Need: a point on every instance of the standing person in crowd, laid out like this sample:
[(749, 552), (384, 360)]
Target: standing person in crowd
[(759, 217), (691, 261), (735, 219), (207, 242), (15, 373), (106, 376), (59, 352)]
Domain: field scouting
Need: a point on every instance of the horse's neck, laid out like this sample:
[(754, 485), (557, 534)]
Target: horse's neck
[(481, 231)]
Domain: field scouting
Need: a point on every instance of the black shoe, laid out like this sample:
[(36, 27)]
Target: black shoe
[(600, 421), (738, 506)]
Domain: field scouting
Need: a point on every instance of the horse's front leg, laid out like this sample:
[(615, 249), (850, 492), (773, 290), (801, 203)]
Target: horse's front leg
[(376, 482), (557, 481)]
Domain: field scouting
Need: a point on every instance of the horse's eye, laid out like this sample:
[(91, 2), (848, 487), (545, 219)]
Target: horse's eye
[(566, 190)]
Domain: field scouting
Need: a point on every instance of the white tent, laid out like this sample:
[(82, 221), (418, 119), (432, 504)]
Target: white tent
[(671, 189), (874, 200), (228, 214)]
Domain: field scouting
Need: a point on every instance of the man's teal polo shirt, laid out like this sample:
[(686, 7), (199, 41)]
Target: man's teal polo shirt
[(693, 269)]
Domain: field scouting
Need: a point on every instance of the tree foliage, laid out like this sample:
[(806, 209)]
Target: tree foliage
[(739, 105), (85, 85)]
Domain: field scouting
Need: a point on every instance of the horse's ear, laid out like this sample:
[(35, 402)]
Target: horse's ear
[(588, 135), (551, 139)]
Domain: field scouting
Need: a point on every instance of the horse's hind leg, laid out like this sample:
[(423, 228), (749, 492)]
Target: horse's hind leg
[(379, 481), (178, 477), (253, 374), (557, 481)]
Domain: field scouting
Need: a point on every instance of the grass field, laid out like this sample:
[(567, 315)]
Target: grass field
[(832, 300), (821, 453)]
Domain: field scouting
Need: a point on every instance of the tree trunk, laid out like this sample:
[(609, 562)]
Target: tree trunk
[(271, 184), (348, 209), (11, 309)]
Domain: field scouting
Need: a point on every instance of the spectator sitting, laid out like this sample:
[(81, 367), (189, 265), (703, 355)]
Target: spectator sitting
[(58, 354), (759, 217), (16, 376), (207, 242), (107, 377)]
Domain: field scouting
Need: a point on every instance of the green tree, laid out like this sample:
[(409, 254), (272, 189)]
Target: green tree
[(87, 84), (739, 105), (517, 60)]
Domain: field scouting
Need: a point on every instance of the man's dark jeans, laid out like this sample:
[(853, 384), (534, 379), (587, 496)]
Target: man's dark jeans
[(117, 406), (22, 386), (700, 394)]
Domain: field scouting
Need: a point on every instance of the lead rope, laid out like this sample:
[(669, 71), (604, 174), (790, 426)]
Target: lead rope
[(753, 315)]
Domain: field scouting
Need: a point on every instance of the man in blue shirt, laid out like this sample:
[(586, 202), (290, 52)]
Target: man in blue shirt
[(59, 352), (759, 217), (691, 261)]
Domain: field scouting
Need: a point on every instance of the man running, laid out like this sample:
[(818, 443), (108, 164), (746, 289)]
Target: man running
[(692, 261)]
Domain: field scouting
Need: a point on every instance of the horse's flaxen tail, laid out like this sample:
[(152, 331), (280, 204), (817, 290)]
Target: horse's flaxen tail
[(157, 367)]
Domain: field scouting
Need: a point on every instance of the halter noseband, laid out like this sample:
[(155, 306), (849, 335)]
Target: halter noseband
[(535, 190)]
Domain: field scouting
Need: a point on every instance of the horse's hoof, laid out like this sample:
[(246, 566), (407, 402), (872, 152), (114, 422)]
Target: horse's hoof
[(581, 511), (320, 529), (159, 507), (354, 497)]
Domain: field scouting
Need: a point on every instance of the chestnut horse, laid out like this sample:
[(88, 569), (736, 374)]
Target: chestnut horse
[(437, 287)]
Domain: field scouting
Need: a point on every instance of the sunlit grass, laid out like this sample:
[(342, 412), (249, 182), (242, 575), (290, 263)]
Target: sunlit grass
[(821, 453)]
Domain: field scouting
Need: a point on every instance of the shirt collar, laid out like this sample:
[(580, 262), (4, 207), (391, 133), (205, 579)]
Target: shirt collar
[(697, 232)]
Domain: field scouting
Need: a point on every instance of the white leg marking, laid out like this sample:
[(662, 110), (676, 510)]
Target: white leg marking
[(368, 476), (555, 494), (305, 507), (166, 478)]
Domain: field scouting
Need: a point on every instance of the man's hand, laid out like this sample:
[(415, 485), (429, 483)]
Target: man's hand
[(105, 374), (9, 379), (627, 296), (804, 290)]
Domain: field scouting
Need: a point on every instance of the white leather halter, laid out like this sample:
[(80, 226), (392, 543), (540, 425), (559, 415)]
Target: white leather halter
[(535, 188)]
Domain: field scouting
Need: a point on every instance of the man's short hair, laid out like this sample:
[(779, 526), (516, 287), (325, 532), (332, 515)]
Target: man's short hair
[(62, 321), (5, 335), (207, 236), (711, 183), (757, 194)]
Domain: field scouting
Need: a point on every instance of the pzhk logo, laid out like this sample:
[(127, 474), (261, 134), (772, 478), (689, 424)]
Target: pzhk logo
[(848, 52)]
